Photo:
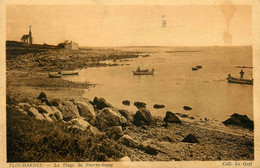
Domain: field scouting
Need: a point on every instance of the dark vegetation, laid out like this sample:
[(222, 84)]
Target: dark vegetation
[(15, 48), (30, 140)]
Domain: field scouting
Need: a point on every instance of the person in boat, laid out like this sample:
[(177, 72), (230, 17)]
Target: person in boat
[(229, 76), (138, 69), (242, 74)]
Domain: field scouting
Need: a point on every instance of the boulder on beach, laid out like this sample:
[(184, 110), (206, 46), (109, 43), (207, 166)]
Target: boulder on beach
[(86, 110), (126, 114), (128, 141), (57, 113), (55, 102), (171, 118), (157, 106), (44, 109), (187, 108), (140, 105), (47, 117), (42, 96), (24, 106), (100, 103), (69, 110), (190, 139), (35, 113), (114, 132), (143, 117), (125, 159), (108, 118), (126, 102), (81, 124), (240, 120), (184, 116)]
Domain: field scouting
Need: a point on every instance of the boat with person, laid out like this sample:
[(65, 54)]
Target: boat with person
[(54, 75), (143, 72), (69, 72), (231, 79)]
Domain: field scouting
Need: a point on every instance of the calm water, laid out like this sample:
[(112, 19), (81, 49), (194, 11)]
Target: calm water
[(174, 84)]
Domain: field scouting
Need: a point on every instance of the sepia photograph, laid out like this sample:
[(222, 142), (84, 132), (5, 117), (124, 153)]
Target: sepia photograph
[(129, 84)]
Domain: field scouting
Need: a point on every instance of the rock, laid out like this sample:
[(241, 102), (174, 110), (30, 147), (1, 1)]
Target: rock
[(240, 120), (128, 141), (126, 114), (57, 113), (126, 102), (86, 110), (157, 106), (100, 103), (184, 116), (81, 123), (35, 113), (108, 118), (42, 95), (45, 109), (125, 159), (56, 102), (114, 132), (22, 111), (150, 150), (190, 139), (69, 110), (48, 118), (24, 106), (171, 118), (143, 117), (140, 105), (187, 108)]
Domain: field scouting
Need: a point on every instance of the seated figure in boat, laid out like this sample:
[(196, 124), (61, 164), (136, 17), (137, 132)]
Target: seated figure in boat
[(139, 70)]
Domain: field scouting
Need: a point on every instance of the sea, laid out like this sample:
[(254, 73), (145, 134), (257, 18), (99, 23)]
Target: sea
[(174, 84)]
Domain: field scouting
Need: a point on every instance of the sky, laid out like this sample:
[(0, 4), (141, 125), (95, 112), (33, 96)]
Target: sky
[(98, 25)]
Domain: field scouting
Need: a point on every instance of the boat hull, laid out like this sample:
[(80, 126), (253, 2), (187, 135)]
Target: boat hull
[(69, 72), (54, 75), (142, 73), (240, 81)]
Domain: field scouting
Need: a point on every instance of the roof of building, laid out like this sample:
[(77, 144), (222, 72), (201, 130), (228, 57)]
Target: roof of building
[(26, 36)]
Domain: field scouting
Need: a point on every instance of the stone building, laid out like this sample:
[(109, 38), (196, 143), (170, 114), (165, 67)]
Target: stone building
[(69, 45), (27, 38)]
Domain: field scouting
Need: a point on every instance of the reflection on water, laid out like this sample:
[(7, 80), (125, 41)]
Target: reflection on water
[(175, 85)]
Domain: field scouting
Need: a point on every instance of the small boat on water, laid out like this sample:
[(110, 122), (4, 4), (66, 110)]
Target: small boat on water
[(199, 66), (143, 72), (194, 68), (54, 75), (231, 79), (69, 72)]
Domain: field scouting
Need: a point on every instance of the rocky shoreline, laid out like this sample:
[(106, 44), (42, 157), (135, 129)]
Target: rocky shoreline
[(44, 104), (143, 137)]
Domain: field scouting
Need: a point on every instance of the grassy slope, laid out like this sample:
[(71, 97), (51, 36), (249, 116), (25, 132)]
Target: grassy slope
[(30, 140)]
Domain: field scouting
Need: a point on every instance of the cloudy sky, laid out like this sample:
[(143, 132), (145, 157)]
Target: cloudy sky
[(97, 25)]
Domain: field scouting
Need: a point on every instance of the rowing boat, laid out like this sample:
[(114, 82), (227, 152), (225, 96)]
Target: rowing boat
[(54, 75), (239, 80), (69, 72), (143, 72)]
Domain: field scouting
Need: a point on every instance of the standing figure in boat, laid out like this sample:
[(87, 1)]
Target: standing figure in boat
[(138, 69), (242, 74)]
